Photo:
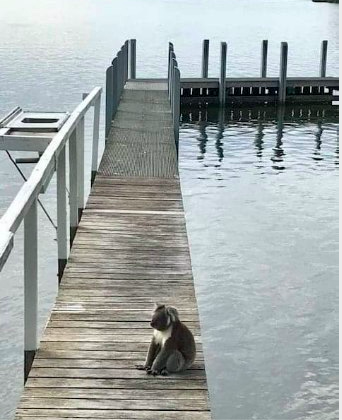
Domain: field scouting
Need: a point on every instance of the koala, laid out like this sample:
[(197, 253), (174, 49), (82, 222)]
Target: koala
[(172, 347)]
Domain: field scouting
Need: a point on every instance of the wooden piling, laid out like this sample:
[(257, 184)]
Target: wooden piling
[(323, 60), (264, 49), (205, 58), (109, 98), (115, 87), (133, 58), (222, 83), (283, 72)]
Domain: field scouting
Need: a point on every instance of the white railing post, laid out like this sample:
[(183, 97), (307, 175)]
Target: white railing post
[(73, 182), (95, 149), (62, 233), (222, 86), (30, 286), (133, 58), (80, 167)]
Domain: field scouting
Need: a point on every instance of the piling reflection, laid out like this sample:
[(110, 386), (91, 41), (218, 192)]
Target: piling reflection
[(273, 132), (278, 156)]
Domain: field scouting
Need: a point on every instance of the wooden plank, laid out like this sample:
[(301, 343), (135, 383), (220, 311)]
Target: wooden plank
[(118, 356), (117, 394), (129, 326), (97, 363), (110, 404), (108, 373), (104, 383), (116, 414), (98, 346)]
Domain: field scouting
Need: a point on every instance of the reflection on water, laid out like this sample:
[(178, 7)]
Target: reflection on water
[(260, 192), (285, 121)]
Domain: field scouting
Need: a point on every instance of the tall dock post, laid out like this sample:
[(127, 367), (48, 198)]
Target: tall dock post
[(115, 87), (126, 45), (323, 61), (205, 58), (283, 72), (176, 106), (109, 98), (30, 287), (222, 86), (133, 57), (264, 48)]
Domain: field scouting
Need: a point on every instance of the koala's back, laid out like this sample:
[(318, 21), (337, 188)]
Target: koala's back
[(185, 342)]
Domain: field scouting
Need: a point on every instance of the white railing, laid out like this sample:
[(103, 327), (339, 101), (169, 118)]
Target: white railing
[(174, 91), (24, 208)]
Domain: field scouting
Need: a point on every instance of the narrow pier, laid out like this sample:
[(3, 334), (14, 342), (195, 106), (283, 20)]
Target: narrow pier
[(130, 250)]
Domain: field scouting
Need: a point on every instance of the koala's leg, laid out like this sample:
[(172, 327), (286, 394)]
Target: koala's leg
[(175, 362), (159, 364), (151, 355)]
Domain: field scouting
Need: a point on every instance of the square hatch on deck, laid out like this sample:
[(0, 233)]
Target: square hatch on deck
[(38, 121)]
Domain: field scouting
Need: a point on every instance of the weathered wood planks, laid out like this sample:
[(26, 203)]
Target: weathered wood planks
[(130, 250)]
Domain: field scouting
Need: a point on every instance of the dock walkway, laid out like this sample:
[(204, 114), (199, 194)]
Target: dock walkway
[(130, 250)]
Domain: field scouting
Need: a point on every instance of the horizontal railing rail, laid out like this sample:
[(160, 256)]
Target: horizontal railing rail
[(23, 208)]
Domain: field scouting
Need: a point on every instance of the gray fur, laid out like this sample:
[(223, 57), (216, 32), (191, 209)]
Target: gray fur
[(172, 348)]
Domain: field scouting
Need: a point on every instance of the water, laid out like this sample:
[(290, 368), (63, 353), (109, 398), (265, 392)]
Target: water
[(262, 211), (262, 222)]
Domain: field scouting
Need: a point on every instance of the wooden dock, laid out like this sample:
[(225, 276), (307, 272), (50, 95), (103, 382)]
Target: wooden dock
[(130, 250)]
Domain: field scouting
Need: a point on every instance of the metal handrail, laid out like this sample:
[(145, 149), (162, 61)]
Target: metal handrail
[(24, 208)]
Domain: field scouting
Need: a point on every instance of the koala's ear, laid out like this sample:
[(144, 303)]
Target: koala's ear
[(173, 313), (158, 306)]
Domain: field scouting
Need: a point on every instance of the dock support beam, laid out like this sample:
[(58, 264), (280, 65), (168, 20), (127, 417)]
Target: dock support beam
[(30, 287), (62, 239), (222, 86), (205, 58), (283, 72), (133, 57), (264, 48), (323, 61)]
